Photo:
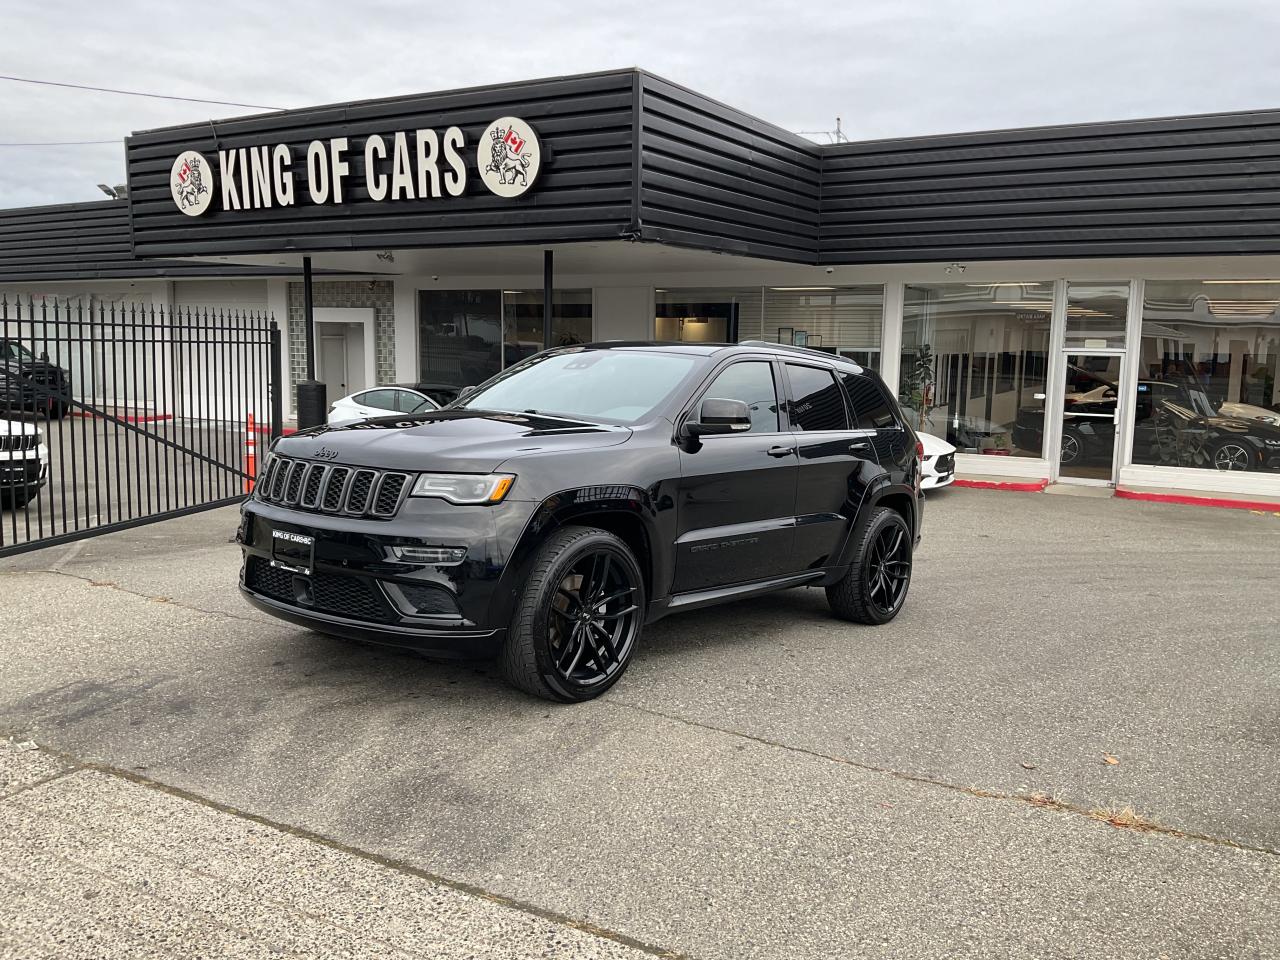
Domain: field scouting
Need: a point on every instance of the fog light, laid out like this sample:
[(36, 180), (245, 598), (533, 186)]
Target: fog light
[(430, 554)]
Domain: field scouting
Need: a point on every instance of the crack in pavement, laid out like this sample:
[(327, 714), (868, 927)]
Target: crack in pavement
[(78, 765), (1031, 799), (142, 596)]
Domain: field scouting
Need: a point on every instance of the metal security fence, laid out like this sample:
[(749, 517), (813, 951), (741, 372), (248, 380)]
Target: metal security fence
[(114, 414)]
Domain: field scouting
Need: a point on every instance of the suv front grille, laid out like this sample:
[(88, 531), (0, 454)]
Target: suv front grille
[(12, 443), (327, 488), (341, 596)]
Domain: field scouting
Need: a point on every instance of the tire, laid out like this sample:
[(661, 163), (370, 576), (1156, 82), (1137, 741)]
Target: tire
[(1232, 455), (860, 595), (578, 619), (1072, 448)]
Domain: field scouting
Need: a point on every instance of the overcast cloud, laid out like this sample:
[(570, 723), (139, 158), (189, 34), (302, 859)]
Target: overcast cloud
[(888, 68)]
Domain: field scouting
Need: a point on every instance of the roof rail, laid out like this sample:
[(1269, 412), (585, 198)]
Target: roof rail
[(803, 351)]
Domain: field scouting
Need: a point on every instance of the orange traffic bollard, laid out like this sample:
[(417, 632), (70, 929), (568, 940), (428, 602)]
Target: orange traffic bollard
[(250, 455)]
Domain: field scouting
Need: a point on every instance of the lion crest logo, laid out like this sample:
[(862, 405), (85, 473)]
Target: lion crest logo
[(508, 156), (189, 183)]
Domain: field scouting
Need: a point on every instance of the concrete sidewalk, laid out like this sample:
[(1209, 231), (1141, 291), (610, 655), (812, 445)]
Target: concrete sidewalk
[(97, 865)]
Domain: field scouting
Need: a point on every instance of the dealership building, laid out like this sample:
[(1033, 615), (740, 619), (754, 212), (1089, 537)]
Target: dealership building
[(1095, 303)]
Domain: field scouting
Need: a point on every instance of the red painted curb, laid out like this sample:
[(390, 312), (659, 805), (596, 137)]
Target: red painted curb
[(1018, 486), (145, 418), (1189, 501)]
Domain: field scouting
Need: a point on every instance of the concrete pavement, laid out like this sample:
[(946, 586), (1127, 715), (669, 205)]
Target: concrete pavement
[(766, 781)]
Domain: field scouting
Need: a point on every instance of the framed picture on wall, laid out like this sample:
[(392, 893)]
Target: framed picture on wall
[(800, 339), (785, 334)]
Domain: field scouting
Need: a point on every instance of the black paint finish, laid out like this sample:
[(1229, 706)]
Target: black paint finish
[(709, 519)]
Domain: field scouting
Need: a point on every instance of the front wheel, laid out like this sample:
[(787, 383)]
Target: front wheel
[(579, 618), (875, 587), (1232, 455)]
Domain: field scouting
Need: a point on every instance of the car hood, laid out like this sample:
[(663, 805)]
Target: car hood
[(935, 446), (458, 441)]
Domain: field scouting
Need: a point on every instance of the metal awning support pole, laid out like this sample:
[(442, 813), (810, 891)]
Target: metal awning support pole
[(547, 277), (312, 401), (309, 318)]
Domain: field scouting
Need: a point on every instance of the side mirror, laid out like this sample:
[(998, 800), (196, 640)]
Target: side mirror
[(44, 356), (466, 391), (719, 416)]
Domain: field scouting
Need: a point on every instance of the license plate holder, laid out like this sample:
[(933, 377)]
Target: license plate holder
[(293, 552)]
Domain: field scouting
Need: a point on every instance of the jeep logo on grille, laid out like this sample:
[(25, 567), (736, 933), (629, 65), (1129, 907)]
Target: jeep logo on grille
[(325, 453)]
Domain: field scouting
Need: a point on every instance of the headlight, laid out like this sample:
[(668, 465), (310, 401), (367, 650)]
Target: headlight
[(464, 488)]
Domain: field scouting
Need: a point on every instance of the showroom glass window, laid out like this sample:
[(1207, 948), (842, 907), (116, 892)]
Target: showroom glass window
[(1208, 393), (974, 361), (706, 314), (839, 320), (466, 336), (523, 320)]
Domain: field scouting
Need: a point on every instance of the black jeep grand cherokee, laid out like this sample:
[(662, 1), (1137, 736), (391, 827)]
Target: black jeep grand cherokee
[(547, 516)]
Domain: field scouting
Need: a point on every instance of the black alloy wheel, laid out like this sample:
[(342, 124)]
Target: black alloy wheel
[(889, 571), (594, 619), (1232, 455), (875, 587), (579, 620)]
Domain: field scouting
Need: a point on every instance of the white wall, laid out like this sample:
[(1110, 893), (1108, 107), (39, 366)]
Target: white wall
[(623, 313)]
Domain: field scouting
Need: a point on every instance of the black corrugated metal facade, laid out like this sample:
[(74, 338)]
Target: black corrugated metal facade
[(1185, 186), (89, 241), (714, 177), (627, 155), (584, 190)]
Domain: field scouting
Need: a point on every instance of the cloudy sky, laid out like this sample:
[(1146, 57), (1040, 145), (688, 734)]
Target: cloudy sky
[(887, 68)]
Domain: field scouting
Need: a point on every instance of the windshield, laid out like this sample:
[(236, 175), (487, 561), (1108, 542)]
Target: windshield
[(614, 386), (16, 351)]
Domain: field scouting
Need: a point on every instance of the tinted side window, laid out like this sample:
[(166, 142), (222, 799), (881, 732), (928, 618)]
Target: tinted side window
[(871, 409), (816, 401), (381, 399), (751, 382)]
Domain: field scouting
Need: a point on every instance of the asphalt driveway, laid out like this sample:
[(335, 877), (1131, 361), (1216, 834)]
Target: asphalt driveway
[(766, 781)]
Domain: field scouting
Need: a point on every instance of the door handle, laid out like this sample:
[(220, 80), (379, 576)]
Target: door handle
[(781, 451), (859, 446)]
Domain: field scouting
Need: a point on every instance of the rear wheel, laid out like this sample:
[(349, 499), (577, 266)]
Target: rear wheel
[(875, 588), (579, 618)]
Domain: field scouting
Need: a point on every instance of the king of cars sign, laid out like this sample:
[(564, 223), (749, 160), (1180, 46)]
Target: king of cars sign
[(407, 165)]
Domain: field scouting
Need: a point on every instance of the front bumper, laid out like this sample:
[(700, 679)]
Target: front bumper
[(28, 473), (359, 585)]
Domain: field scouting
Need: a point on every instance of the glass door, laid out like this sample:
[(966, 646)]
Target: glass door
[(1090, 418)]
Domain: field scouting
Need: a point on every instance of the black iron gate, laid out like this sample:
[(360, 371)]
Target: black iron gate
[(114, 414)]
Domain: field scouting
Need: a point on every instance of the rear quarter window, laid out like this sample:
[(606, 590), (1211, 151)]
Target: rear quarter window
[(871, 407)]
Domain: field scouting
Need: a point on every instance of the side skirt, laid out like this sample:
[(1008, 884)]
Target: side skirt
[(739, 591)]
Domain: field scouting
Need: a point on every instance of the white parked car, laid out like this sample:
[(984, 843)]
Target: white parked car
[(24, 463), (939, 462), (379, 402)]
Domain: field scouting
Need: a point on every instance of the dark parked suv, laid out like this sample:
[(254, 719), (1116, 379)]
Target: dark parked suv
[(548, 515)]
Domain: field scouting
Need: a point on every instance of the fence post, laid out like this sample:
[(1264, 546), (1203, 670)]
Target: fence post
[(276, 382)]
